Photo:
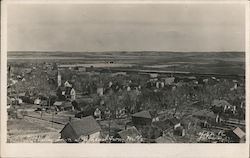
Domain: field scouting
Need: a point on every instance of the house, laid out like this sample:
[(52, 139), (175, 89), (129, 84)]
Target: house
[(130, 135), (16, 101), (72, 94), (37, 101), (189, 122), (174, 122), (63, 105), (169, 81), (179, 131), (67, 84), (107, 113), (206, 116), (128, 88), (67, 106), (100, 90), (98, 114), (83, 130), (59, 79), (221, 105), (142, 118), (150, 132), (28, 70), (21, 94), (120, 113), (58, 103), (87, 112), (44, 103), (162, 84), (186, 123), (153, 75), (157, 84), (162, 125), (83, 69), (236, 135)]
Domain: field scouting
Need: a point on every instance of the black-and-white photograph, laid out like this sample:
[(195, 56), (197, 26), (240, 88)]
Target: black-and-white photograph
[(126, 73)]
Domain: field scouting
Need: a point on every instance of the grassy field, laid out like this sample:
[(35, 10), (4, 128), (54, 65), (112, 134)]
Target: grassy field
[(29, 130)]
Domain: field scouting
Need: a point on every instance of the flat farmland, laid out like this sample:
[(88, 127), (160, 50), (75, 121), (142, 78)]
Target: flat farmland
[(195, 62)]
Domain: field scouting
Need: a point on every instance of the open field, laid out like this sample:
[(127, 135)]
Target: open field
[(29, 130), (196, 62)]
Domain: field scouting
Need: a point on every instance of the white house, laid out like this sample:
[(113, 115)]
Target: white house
[(73, 94)]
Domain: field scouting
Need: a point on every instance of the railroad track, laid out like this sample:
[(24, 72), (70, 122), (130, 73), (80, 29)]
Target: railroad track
[(46, 123)]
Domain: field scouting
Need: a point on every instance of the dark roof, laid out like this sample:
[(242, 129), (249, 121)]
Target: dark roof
[(130, 134), (143, 114), (163, 125), (204, 113), (174, 120), (84, 126), (179, 128)]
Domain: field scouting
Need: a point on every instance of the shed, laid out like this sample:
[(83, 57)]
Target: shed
[(58, 103), (85, 129), (221, 104), (142, 118)]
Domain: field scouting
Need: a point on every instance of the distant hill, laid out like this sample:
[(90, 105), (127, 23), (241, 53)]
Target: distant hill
[(199, 62)]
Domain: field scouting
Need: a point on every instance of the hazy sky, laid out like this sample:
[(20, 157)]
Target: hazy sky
[(130, 27)]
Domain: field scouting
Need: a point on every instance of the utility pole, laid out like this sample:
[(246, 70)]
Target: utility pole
[(52, 118), (109, 128)]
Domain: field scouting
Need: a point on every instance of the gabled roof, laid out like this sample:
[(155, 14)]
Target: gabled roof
[(220, 103), (174, 120), (163, 125), (204, 113), (67, 84), (66, 104), (130, 134), (143, 114), (58, 103), (21, 94), (163, 139), (237, 131), (84, 126)]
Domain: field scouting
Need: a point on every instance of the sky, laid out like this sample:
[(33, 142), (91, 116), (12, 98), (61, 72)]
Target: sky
[(126, 27)]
